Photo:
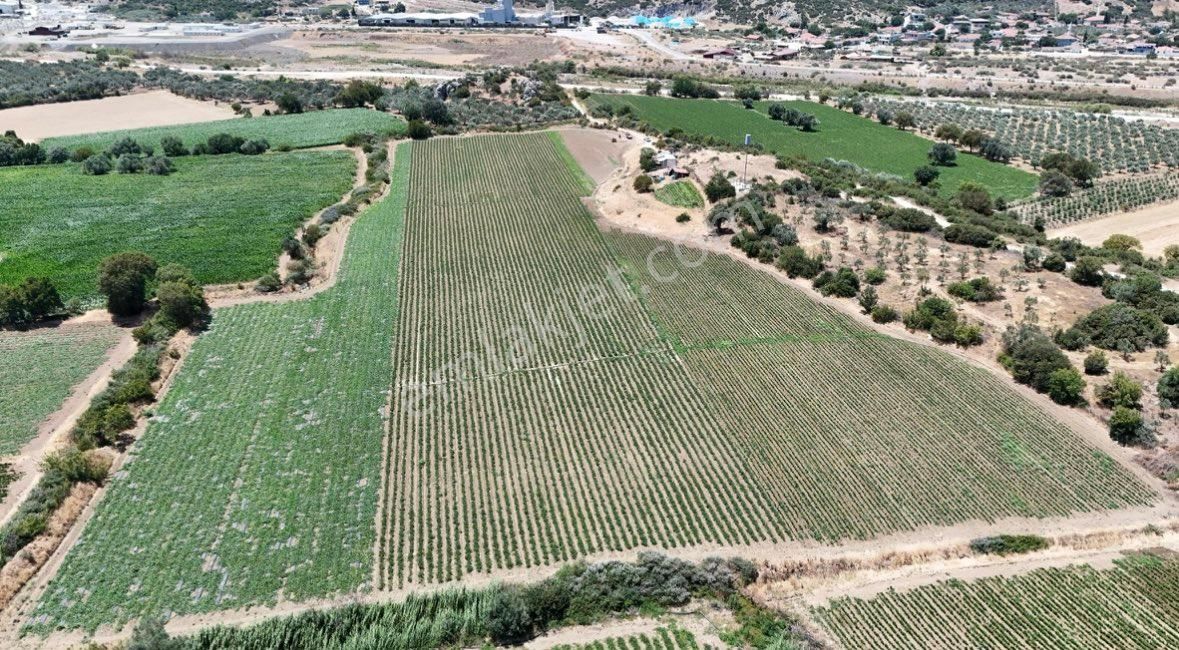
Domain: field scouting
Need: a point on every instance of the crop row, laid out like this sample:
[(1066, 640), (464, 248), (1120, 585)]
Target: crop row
[(1132, 605), (297, 131), (258, 475), (1108, 197), (38, 369), (662, 638), (1117, 145)]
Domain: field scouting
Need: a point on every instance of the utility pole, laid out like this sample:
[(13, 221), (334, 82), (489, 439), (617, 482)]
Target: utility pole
[(745, 170)]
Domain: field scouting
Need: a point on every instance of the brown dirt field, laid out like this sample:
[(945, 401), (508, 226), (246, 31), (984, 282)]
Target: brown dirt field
[(599, 151), (155, 108), (1156, 226), (437, 47)]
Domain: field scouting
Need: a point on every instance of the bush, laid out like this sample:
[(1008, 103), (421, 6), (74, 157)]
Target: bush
[(125, 146), (643, 183), (254, 147), (58, 155), (976, 290), (123, 279), (158, 166), (1008, 544), (81, 153), (1126, 427), (975, 197), (223, 143), (843, 283), (929, 312), (97, 165), (970, 235), (719, 188), (1088, 271), (797, 264), (1168, 388), (508, 619), (173, 147), (1120, 391), (1054, 262), (1031, 356), (943, 154), (1123, 328), (418, 130), (683, 217), (1066, 386), (1096, 363), (268, 283), (910, 220), (884, 314), (924, 175), (875, 275)]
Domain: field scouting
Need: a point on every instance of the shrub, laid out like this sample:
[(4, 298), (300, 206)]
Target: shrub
[(975, 197), (797, 264), (1096, 363), (943, 154), (970, 235), (842, 283), (1126, 427), (223, 143), (1031, 356), (124, 147), (929, 312), (1088, 271), (58, 155), (268, 283), (1120, 327), (910, 220), (683, 217), (924, 175), (123, 279), (254, 147), (81, 153), (884, 314), (875, 275), (508, 619), (1120, 391), (643, 183), (97, 165), (173, 147), (1168, 388), (718, 188), (1054, 262), (1008, 544), (1066, 386), (976, 290), (158, 166)]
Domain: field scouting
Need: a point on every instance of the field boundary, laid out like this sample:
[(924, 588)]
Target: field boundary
[(583, 179)]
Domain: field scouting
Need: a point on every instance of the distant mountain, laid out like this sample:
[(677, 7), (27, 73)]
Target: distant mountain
[(827, 12)]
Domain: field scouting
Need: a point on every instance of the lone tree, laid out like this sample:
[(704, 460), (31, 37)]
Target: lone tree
[(924, 175), (904, 120), (181, 298), (718, 188), (123, 279), (943, 154)]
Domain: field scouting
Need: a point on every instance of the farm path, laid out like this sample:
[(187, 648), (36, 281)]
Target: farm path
[(55, 428)]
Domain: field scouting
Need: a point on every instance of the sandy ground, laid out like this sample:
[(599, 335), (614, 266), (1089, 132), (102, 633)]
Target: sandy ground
[(598, 151), (414, 45), (1156, 227), (155, 108)]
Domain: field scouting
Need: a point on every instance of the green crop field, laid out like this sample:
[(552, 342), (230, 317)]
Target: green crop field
[(259, 473), (38, 369), (299, 130), (1135, 604), (543, 395), (681, 194), (841, 136), (224, 217)]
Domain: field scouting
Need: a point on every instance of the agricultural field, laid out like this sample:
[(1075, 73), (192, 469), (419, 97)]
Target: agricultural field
[(1104, 198), (662, 638), (39, 368), (681, 194), (1134, 604), (841, 136), (297, 131), (60, 223), (1117, 145), (496, 385), (259, 473)]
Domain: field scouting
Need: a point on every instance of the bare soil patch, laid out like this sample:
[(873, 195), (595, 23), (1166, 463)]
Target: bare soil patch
[(138, 110), (434, 47), (599, 151), (1156, 227)]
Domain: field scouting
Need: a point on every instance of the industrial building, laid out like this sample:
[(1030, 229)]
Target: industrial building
[(501, 15)]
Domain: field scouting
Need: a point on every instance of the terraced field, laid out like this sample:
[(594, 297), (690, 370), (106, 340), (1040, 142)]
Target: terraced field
[(224, 217), (841, 136), (540, 400), (300, 130), (38, 369), (1133, 605)]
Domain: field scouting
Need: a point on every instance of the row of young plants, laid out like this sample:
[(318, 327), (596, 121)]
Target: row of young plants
[(1116, 144), (1131, 604), (1104, 198)]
